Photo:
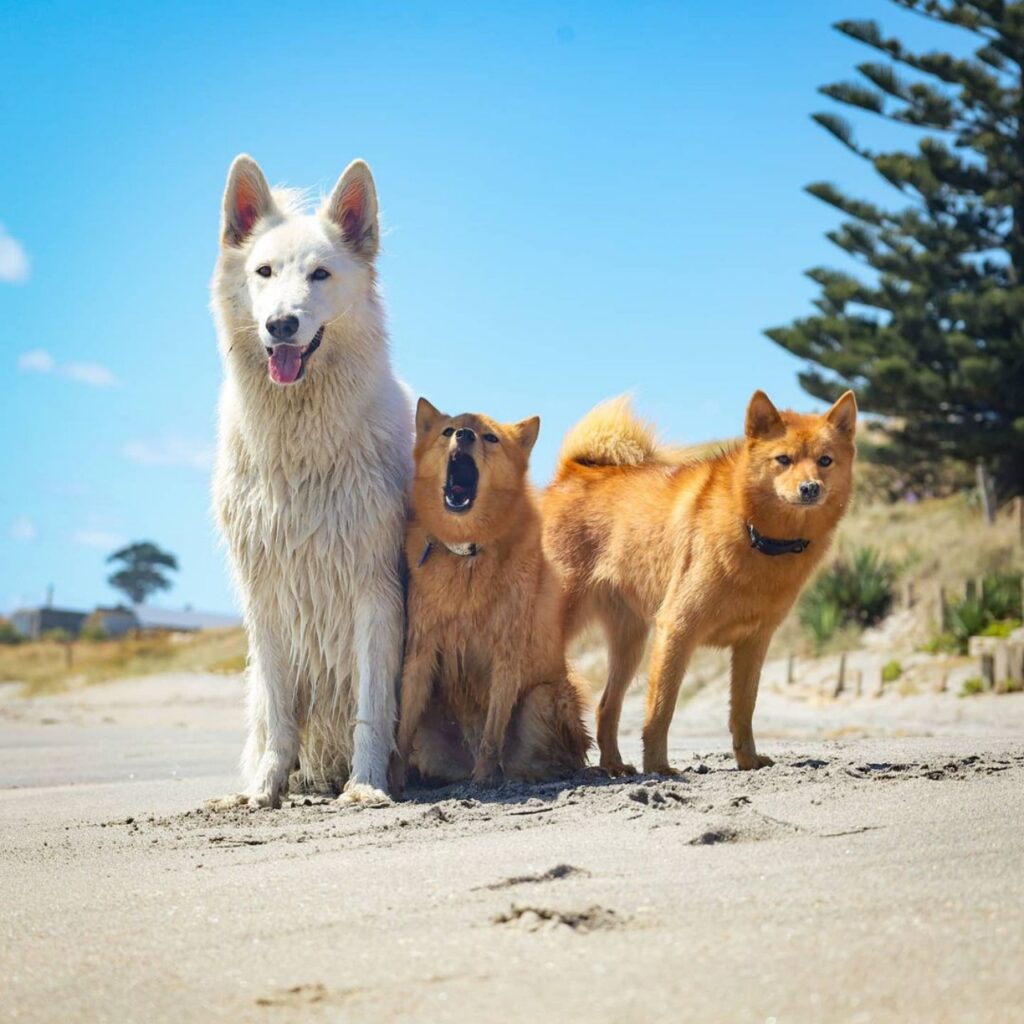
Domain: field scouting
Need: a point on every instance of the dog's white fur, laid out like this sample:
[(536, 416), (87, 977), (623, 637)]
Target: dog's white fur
[(310, 484)]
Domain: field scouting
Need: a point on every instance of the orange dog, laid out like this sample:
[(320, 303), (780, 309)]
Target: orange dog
[(713, 551), (485, 686)]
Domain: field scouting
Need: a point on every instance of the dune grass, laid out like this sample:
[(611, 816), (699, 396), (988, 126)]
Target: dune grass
[(48, 666)]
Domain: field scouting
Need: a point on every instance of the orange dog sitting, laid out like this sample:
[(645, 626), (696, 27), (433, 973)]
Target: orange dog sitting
[(486, 690)]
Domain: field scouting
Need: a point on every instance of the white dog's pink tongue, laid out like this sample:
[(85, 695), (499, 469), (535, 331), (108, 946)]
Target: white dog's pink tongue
[(285, 364)]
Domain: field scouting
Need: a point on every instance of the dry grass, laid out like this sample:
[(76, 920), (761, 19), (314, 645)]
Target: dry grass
[(47, 666)]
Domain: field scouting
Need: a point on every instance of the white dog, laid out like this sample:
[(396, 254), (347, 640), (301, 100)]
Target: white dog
[(313, 460)]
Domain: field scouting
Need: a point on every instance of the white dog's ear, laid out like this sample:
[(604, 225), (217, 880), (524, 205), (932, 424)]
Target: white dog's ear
[(246, 199), (843, 415), (426, 417), (353, 207), (526, 432), (763, 419)]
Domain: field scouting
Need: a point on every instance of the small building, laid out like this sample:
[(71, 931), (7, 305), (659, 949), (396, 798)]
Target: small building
[(36, 622), (114, 622), (185, 620)]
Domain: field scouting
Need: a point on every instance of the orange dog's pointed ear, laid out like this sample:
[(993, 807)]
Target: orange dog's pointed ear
[(843, 415), (763, 419), (526, 431), (426, 417), (246, 199)]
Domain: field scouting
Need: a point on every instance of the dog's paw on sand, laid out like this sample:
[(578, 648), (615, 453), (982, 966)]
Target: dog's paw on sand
[(543, 919), (362, 794), (236, 800)]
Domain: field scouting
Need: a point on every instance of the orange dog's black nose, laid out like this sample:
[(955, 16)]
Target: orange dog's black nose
[(810, 490), (465, 436)]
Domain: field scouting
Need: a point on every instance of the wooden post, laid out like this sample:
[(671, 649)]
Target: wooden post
[(860, 682), (909, 596), (985, 492), (1018, 516), (941, 610), (988, 670), (841, 680), (789, 668)]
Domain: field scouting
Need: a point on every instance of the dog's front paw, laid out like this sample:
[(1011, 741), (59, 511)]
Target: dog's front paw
[(363, 794), (616, 768), (751, 762), (264, 798)]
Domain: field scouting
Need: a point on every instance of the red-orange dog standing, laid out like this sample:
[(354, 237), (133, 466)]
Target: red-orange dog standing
[(712, 552)]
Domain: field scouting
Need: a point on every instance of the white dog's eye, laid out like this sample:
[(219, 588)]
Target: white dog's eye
[(264, 271), (319, 274)]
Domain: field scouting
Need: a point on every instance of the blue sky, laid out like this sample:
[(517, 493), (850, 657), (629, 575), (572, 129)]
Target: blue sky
[(578, 199)]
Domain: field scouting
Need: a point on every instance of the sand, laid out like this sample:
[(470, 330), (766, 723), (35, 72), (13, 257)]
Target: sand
[(876, 873)]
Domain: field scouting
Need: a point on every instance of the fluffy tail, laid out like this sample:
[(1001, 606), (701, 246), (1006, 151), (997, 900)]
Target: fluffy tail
[(610, 435)]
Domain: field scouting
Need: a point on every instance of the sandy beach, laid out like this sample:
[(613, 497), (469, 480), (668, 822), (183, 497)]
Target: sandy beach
[(876, 873)]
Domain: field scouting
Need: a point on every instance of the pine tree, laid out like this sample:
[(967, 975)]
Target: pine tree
[(141, 570), (932, 338)]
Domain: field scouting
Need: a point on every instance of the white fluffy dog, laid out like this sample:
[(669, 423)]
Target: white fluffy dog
[(314, 455)]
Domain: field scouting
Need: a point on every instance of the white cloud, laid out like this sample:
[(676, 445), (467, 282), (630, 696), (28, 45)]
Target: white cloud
[(96, 375), (169, 451), (36, 361), (89, 373), (23, 529), (14, 268), (98, 539)]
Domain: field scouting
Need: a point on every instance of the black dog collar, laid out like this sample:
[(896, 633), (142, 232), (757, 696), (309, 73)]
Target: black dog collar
[(462, 550), (769, 546)]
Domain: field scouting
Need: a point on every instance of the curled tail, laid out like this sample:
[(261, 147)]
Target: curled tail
[(609, 435)]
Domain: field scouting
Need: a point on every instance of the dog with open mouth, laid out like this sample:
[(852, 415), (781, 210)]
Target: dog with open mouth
[(313, 463), (486, 691)]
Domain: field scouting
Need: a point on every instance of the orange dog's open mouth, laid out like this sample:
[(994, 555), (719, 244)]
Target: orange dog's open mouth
[(460, 482)]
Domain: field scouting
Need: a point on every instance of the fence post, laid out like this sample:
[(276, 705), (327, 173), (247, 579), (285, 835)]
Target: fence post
[(941, 608), (1018, 509), (986, 493), (841, 680), (789, 668)]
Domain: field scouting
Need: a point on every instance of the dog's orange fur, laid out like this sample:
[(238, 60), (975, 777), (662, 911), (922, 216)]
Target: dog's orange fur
[(485, 685), (641, 539)]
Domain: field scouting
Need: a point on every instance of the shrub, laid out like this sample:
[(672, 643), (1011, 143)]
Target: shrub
[(93, 631), (1000, 594), (857, 591), (972, 687), (56, 636), (996, 611), (8, 634), (891, 671)]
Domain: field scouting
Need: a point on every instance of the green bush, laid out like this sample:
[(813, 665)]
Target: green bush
[(93, 631), (857, 592), (8, 634), (996, 611), (972, 687), (56, 636), (1000, 594), (891, 671)]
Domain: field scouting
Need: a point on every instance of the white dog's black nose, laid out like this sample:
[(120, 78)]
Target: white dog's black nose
[(283, 328)]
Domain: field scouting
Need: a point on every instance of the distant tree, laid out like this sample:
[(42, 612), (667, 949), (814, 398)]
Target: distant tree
[(933, 338), (141, 570)]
